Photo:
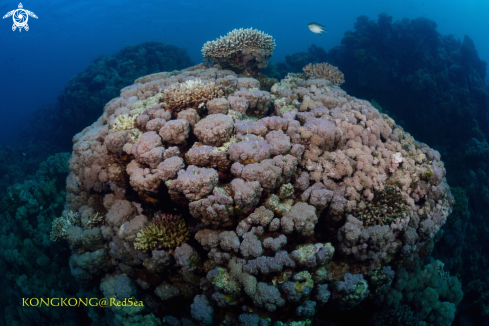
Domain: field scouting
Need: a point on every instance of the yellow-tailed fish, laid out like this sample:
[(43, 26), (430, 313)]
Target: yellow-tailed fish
[(317, 28)]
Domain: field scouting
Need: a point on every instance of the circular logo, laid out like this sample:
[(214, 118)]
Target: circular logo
[(20, 17)]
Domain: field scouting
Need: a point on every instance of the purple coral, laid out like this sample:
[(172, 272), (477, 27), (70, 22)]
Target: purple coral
[(215, 129), (250, 150), (251, 193), (301, 218), (195, 182), (201, 310), (175, 132)]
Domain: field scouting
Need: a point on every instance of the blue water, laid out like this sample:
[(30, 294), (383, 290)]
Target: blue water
[(36, 65)]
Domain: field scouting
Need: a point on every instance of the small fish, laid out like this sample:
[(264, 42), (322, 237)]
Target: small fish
[(317, 28)]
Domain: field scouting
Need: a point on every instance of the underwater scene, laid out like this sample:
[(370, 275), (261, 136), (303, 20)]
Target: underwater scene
[(257, 163)]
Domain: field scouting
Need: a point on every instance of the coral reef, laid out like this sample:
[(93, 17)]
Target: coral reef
[(18, 164), (326, 71), (419, 83), (431, 294), (219, 199), (31, 264), (307, 207), (245, 51)]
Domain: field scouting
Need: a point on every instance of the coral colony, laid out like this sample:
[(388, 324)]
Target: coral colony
[(245, 51), (226, 204)]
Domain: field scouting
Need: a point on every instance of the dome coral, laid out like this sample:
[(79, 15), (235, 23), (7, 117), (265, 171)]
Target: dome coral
[(277, 212)]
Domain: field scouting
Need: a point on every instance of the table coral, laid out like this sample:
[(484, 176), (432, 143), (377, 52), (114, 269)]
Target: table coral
[(243, 50)]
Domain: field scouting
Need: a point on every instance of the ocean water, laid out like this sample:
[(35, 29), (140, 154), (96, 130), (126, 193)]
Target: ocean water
[(68, 36), (424, 263)]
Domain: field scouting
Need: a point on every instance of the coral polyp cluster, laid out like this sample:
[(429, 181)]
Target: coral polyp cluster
[(287, 201), (242, 50), (326, 71)]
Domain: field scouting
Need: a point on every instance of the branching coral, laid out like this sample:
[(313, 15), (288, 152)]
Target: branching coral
[(191, 94), (164, 232), (94, 220), (244, 50), (326, 71), (61, 224), (386, 207)]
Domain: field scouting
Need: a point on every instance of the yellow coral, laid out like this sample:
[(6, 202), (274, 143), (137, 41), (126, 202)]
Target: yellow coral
[(124, 122), (135, 134), (226, 145), (289, 82), (162, 233), (326, 71), (128, 121), (147, 103)]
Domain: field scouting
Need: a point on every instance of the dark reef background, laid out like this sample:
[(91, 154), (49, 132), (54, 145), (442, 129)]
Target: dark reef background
[(433, 84)]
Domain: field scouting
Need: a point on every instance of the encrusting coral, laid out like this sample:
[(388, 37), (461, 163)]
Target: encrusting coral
[(245, 51), (326, 71), (276, 213)]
